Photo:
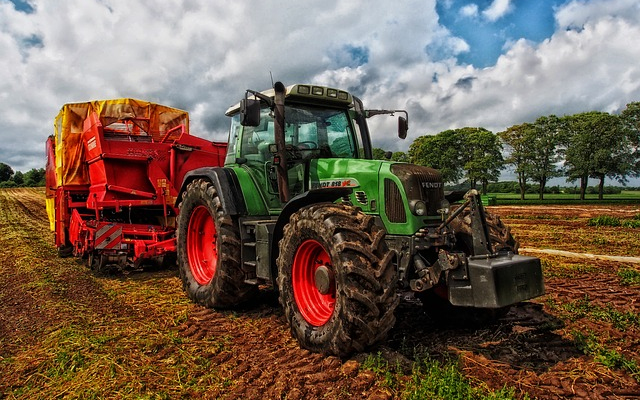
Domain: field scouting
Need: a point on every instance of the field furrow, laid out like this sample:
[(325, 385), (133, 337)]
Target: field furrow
[(66, 332)]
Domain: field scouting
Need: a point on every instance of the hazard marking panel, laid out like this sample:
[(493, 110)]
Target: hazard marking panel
[(108, 236)]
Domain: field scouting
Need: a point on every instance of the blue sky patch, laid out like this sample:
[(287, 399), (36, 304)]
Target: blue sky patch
[(359, 54), (22, 5), (488, 31), (350, 56)]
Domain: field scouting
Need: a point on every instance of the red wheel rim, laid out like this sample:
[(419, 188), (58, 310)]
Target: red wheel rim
[(201, 245), (316, 308)]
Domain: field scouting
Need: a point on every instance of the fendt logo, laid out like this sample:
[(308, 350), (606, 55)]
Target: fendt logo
[(431, 185), (333, 183)]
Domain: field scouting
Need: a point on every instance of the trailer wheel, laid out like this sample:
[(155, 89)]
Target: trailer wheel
[(208, 247), (99, 263), (65, 251), (336, 279)]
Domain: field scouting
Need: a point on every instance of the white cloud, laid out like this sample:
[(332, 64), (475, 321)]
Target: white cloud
[(576, 13), (197, 55), (469, 11), (594, 68), (497, 9), (201, 56)]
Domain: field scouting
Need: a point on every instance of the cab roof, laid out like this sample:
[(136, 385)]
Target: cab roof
[(306, 94)]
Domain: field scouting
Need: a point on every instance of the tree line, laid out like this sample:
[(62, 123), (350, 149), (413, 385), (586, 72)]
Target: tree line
[(32, 178), (590, 145)]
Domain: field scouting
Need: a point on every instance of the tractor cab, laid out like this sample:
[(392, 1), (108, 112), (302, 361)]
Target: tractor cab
[(316, 123), (310, 133)]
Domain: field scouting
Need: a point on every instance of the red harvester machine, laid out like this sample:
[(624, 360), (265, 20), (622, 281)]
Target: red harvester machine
[(114, 169)]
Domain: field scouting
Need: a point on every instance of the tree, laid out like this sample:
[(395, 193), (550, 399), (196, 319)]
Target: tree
[(18, 178), (518, 138), (34, 177), (544, 141), (466, 153), (442, 152), (599, 145), (5, 172), (630, 117), (400, 156), (379, 154), (483, 157)]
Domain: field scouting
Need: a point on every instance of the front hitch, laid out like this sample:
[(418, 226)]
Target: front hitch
[(491, 279)]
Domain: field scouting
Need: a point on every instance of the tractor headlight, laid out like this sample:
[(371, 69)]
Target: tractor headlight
[(445, 208), (418, 207)]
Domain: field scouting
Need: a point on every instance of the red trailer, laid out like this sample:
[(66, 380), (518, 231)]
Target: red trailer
[(114, 171)]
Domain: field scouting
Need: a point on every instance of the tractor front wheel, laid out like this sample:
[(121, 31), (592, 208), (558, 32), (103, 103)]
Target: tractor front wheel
[(336, 279), (208, 250)]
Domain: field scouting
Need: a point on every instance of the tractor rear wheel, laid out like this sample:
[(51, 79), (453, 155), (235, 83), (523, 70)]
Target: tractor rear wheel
[(208, 250), (336, 278)]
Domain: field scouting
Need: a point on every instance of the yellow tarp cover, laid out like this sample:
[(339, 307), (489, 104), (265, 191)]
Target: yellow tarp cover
[(154, 119)]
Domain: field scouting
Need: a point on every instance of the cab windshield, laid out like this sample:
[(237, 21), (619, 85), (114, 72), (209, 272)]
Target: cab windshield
[(311, 132)]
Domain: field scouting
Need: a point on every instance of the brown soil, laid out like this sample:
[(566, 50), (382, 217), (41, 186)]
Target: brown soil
[(67, 333)]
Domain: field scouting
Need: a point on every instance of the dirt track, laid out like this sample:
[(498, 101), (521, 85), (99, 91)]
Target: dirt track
[(65, 332)]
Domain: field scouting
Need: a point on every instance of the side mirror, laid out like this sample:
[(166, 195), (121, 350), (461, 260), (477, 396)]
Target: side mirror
[(403, 127), (249, 112)]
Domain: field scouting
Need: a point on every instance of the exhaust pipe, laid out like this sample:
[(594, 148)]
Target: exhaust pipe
[(280, 162)]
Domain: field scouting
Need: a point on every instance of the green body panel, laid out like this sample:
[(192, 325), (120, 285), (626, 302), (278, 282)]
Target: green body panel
[(414, 222), (364, 177), (251, 190), (359, 175)]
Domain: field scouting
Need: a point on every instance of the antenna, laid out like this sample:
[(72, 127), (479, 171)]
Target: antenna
[(271, 75)]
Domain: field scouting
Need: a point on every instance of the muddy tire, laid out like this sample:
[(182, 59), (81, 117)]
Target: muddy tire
[(99, 263), (336, 279), (94, 262), (499, 233), (208, 250)]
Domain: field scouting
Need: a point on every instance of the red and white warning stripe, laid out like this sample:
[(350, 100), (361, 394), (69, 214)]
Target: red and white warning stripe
[(108, 237)]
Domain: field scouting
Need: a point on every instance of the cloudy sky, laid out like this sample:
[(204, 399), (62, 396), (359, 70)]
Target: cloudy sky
[(450, 63)]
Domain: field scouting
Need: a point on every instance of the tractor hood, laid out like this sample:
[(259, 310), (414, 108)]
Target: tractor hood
[(406, 196)]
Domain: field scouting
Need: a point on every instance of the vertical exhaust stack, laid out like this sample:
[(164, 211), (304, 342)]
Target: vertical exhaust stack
[(280, 162)]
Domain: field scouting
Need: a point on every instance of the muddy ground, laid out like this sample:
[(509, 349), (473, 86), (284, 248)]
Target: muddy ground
[(68, 333)]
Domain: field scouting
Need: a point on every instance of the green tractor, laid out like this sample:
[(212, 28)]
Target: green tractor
[(301, 206)]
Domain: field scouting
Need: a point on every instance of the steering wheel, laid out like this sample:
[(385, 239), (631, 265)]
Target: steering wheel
[(307, 145)]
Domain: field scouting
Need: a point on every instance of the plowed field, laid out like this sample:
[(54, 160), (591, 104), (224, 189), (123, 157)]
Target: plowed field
[(68, 333)]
